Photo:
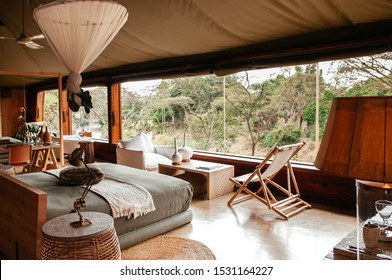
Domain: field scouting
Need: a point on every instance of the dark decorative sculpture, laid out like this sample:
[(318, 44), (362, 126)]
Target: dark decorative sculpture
[(77, 100)]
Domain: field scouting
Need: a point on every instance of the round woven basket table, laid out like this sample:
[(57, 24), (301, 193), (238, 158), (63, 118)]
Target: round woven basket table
[(98, 241)]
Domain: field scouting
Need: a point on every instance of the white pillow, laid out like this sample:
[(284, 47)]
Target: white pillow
[(151, 161), (147, 137), (166, 151), (136, 144)]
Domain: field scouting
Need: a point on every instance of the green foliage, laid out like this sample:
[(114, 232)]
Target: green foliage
[(309, 113), (282, 136), (51, 109), (366, 89)]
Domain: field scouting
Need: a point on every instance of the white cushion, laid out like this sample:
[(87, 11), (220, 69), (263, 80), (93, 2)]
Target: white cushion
[(130, 158), (166, 151), (136, 143), (151, 160), (147, 138)]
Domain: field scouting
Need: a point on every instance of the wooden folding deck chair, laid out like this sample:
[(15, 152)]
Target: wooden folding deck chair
[(291, 203)]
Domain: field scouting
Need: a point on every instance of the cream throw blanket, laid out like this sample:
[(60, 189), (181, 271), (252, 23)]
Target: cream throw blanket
[(124, 198)]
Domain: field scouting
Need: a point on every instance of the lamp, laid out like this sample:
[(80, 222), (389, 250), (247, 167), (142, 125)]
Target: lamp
[(357, 139), (357, 144), (21, 112), (77, 159), (78, 31)]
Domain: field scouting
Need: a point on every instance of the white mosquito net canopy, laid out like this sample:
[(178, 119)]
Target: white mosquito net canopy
[(78, 31)]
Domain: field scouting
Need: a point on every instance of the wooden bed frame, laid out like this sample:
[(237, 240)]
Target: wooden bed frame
[(22, 215), (23, 211)]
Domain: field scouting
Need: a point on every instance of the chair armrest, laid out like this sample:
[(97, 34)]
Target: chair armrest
[(166, 151), (130, 158)]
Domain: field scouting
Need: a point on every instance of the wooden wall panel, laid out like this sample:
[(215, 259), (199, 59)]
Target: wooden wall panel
[(11, 100), (31, 107)]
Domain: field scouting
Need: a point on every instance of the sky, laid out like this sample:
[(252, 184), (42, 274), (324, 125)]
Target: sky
[(255, 76)]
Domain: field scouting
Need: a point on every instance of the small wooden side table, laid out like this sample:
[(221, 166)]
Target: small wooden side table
[(206, 177), (98, 241), (43, 157)]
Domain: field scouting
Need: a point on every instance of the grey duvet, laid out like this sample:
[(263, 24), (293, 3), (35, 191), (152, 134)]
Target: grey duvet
[(170, 195)]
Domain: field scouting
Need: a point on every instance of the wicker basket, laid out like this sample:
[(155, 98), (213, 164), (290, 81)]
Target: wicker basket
[(99, 246)]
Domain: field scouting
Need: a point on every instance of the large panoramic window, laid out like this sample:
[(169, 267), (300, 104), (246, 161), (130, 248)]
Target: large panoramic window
[(249, 112), (96, 120), (241, 114), (51, 110)]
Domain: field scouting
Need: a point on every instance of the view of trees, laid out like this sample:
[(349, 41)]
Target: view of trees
[(238, 114)]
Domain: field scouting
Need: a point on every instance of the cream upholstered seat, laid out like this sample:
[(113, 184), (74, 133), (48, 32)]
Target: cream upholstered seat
[(279, 157), (139, 152)]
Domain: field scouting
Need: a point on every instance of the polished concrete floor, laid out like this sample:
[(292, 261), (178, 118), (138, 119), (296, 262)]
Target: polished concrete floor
[(249, 231)]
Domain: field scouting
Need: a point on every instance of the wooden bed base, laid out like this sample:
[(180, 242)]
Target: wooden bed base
[(22, 215)]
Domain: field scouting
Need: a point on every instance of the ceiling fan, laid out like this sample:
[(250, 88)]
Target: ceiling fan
[(23, 39)]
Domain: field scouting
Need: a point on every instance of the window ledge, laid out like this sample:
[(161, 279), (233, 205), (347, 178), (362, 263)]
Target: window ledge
[(246, 160), (316, 186)]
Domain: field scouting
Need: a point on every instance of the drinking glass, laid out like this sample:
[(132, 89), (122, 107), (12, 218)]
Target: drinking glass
[(384, 209)]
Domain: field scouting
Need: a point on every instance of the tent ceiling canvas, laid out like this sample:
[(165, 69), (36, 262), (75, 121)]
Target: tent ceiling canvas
[(167, 38)]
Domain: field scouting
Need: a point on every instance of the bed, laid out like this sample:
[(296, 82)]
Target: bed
[(27, 201)]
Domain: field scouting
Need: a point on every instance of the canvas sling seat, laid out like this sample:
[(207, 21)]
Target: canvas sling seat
[(286, 203)]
